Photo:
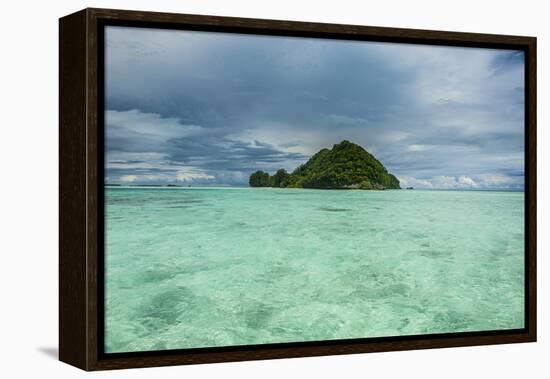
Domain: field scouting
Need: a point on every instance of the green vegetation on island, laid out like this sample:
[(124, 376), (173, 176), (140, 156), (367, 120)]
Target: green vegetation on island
[(345, 166)]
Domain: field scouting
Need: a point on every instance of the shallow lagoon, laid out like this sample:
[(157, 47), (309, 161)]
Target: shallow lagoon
[(200, 267)]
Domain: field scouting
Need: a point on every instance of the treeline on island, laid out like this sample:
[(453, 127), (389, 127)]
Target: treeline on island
[(345, 166)]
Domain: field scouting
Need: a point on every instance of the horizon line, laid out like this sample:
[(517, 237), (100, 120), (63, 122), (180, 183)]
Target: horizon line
[(171, 185)]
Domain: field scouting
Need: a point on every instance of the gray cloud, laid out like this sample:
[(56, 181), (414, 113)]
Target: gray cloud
[(215, 107), (218, 153)]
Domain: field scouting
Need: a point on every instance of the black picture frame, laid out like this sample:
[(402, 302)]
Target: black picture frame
[(81, 183)]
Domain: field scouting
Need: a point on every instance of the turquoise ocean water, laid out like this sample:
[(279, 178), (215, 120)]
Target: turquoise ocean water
[(201, 267)]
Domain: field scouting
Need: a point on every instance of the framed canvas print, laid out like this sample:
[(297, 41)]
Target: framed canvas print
[(238, 189)]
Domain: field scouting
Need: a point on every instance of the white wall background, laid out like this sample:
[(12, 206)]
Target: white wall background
[(28, 198)]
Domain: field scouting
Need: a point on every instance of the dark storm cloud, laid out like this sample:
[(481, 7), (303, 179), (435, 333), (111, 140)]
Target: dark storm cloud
[(215, 154), (248, 78), (507, 60), (211, 108)]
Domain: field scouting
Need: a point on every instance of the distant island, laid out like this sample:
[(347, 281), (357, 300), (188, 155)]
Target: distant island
[(345, 166)]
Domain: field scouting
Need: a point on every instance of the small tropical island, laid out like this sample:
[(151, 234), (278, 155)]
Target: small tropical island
[(345, 166)]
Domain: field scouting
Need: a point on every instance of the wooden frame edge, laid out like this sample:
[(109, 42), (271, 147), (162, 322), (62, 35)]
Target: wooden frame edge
[(531, 178), (72, 189)]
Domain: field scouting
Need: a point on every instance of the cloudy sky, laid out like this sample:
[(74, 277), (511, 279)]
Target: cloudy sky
[(209, 108)]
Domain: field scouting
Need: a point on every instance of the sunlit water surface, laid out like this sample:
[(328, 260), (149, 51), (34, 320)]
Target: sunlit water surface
[(200, 267)]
